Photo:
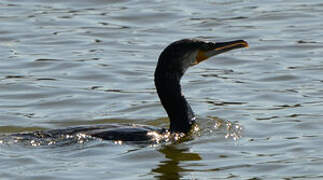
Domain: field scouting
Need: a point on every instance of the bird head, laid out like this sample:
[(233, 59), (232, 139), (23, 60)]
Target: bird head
[(182, 54)]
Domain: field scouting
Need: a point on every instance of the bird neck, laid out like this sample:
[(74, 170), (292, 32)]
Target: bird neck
[(179, 111)]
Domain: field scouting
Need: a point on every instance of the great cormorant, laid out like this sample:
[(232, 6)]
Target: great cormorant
[(172, 64)]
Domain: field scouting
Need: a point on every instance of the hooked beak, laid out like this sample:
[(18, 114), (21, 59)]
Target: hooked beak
[(219, 48)]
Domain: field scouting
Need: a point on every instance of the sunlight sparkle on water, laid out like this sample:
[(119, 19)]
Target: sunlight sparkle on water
[(233, 130), (118, 142)]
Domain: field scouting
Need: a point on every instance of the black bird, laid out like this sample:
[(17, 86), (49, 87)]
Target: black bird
[(172, 64)]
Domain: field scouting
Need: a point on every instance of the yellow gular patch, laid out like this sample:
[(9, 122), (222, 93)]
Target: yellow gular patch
[(200, 57)]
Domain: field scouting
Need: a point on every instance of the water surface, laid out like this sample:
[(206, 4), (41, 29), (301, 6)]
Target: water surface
[(70, 63)]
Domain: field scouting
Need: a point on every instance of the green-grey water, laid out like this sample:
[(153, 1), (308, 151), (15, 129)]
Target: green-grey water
[(77, 62)]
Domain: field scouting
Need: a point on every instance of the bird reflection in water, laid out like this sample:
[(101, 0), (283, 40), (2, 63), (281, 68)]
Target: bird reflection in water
[(171, 167)]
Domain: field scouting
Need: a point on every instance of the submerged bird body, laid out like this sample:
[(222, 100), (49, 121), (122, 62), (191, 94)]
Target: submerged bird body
[(122, 132), (172, 64)]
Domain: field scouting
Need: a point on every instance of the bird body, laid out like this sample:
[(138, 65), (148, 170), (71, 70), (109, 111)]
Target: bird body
[(173, 62)]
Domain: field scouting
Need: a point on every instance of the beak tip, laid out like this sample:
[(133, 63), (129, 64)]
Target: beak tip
[(244, 43)]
